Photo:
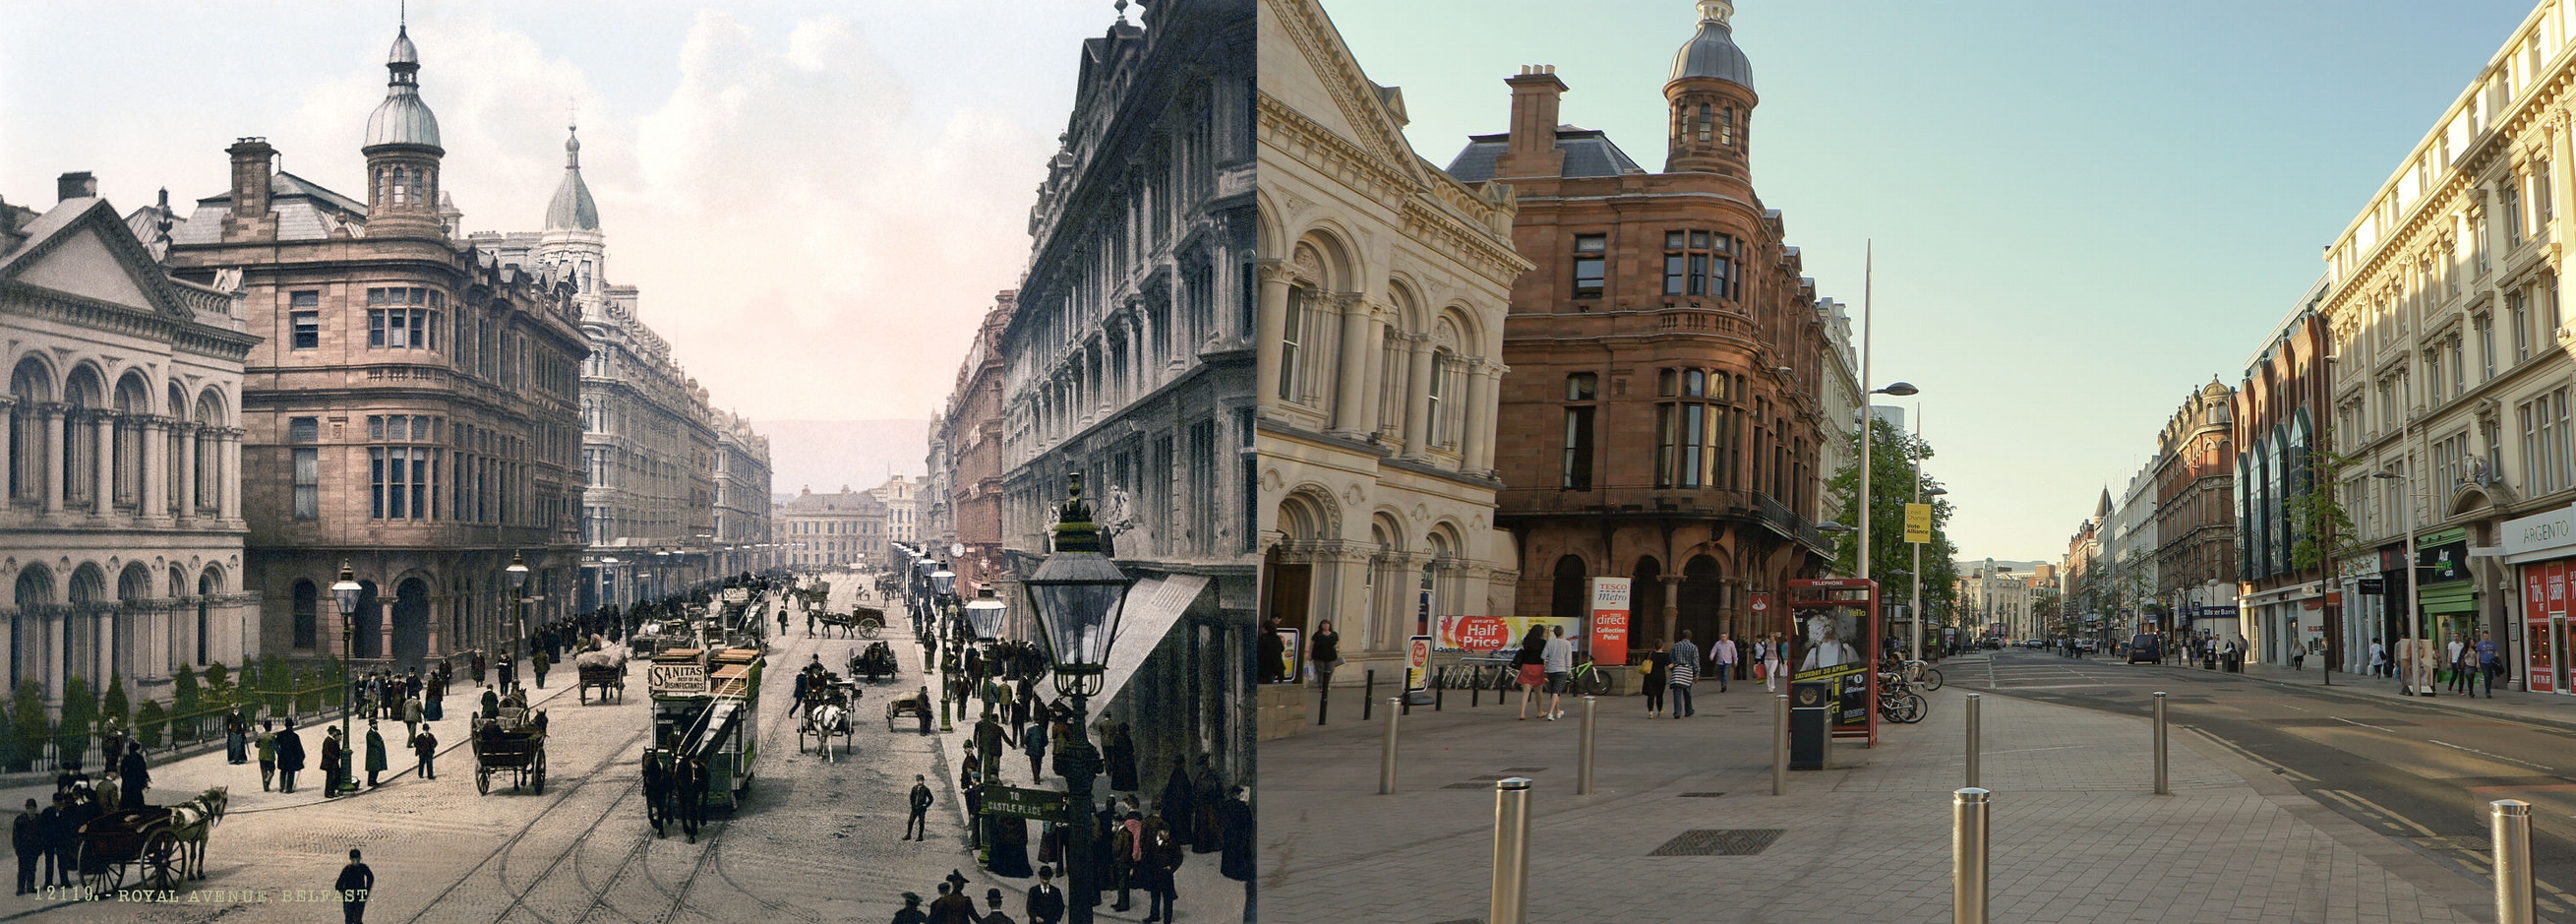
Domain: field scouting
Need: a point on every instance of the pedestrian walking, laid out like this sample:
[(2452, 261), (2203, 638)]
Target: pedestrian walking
[(55, 825), (1120, 755), (335, 763), (1530, 664), (356, 885), (413, 715), (1045, 903), (1685, 673), (27, 837), (236, 736), (1723, 655), (2378, 659), (1324, 653), (111, 747), (290, 757), (1651, 673), (1033, 742), (509, 671), (1128, 849), (540, 665), (480, 669), (132, 778), (1556, 659), (1157, 866), (2489, 665), (952, 906), (266, 747), (693, 795), (376, 761), (1236, 861), (1774, 655), (425, 746), (916, 826)]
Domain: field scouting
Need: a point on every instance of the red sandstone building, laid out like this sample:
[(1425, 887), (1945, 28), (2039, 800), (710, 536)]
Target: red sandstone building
[(1666, 360), (2195, 471)]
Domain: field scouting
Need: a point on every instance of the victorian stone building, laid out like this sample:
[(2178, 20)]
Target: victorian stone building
[(742, 515), (902, 497), (825, 532), (1128, 358), (1384, 285), (1668, 360), (962, 502), (412, 406), (2195, 532), (121, 532)]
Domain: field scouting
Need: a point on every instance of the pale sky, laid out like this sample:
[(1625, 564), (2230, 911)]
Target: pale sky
[(2081, 210), (818, 199)]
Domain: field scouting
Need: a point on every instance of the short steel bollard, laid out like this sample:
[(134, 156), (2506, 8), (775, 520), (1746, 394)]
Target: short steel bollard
[(1368, 693), (1968, 856), (1976, 739), (1511, 852), (1780, 744), (2161, 788), (1323, 701), (2510, 828), (1386, 759), (1583, 761)]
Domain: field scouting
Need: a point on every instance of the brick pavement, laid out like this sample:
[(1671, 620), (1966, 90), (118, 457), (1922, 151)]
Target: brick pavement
[(2074, 825)]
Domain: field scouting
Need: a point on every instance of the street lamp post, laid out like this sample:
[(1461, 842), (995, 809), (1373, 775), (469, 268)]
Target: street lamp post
[(346, 592), (518, 575), (943, 583), (1077, 595)]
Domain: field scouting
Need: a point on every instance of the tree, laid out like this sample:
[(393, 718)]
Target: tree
[(1893, 457), (185, 701), (80, 707), (2323, 529), (114, 707), (148, 723), (27, 727)]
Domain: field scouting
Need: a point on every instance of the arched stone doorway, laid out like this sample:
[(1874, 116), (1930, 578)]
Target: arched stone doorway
[(1701, 596), (1646, 625), (411, 622), (1571, 599)]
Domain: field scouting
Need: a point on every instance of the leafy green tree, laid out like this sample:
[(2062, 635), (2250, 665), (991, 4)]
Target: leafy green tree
[(27, 727), (219, 687), (2317, 518), (278, 678), (80, 709), (148, 723), (186, 700), (1894, 454), (113, 706)]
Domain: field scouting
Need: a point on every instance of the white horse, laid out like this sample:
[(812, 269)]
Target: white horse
[(193, 821), (822, 722)]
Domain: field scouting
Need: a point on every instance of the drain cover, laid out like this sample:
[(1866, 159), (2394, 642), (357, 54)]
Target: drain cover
[(1719, 842), (1702, 795)]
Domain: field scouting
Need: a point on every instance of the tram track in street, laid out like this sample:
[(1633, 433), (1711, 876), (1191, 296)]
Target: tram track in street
[(499, 858)]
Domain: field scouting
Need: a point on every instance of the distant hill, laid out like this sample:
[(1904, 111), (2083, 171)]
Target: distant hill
[(826, 454)]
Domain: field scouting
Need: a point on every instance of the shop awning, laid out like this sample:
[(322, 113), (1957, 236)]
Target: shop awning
[(2451, 597)]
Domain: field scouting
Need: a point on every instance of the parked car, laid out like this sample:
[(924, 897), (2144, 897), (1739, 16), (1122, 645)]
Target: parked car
[(2146, 648), (2086, 645)]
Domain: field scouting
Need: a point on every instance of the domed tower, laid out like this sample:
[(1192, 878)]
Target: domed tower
[(402, 153), (571, 239), (1711, 93)]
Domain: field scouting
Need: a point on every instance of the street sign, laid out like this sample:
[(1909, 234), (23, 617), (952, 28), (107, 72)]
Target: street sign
[(1918, 522), (676, 680), (1761, 601), (1032, 804)]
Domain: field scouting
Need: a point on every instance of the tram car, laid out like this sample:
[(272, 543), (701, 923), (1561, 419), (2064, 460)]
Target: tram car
[(706, 703)]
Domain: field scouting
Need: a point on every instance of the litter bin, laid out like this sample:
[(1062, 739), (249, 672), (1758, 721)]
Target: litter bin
[(1811, 716)]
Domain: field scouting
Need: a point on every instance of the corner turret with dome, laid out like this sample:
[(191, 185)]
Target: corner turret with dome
[(572, 208), (403, 152), (1712, 98)]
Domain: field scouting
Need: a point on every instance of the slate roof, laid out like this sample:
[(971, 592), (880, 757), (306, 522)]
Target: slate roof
[(1588, 153), (305, 212)]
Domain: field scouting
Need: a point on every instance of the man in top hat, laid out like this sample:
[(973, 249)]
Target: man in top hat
[(910, 913), (952, 906)]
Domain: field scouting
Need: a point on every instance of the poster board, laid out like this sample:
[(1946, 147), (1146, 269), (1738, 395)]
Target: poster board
[(1836, 642), (1417, 663), (1483, 634), (1610, 596)]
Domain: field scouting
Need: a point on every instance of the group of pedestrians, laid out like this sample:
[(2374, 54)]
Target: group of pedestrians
[(1044, 904)]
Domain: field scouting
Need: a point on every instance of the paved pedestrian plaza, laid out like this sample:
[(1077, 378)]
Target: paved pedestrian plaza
[(2077, 833)]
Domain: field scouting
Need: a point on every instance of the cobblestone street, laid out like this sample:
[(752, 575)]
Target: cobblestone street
[(815, 842)]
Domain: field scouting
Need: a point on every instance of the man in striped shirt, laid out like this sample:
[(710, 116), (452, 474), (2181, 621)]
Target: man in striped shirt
[(1685, 670)]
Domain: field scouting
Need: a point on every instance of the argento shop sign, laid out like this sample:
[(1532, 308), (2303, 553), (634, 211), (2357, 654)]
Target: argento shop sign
[(2540, 532)]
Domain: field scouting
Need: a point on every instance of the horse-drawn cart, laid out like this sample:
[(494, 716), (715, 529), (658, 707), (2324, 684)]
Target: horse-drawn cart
[(917, 705), (859, 622), (144, 840), (510, 746), (876, 663), (604, 671)]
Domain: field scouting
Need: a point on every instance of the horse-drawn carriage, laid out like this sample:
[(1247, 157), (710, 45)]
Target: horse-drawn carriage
[(514, 744), (860, 621), (161, 845), (603, 670), (875, 663)]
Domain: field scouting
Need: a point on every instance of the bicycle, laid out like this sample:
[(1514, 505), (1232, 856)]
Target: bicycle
[(1586, 680), (1897, 701), (1918, 672)]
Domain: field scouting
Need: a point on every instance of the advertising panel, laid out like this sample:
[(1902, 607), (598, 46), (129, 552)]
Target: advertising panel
[(1481, 634), (1417, 663), (1918, 522), (1830, 650), (1610, 620)]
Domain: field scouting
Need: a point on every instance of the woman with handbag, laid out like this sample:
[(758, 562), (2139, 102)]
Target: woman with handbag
[(1323, 653), (1531, 662)]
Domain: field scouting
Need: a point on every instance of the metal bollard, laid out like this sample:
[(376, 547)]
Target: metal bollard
[(1475, 695), (1976, 738), (2161, 788), (1583, 761), (1511, 852), (1439, 696), (2510, 828), (1323, 702), (1368, 694), (1968, 856), (1386, 759), (1780, 744)]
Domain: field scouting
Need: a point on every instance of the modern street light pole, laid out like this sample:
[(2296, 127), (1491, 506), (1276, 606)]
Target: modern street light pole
[(1077, 595), (346, 592)]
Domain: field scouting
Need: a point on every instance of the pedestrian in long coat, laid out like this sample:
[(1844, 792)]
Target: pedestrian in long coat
[(290, 757), (413, 715), (491, 704), (1236, 864), (479, 668), (134, 776), (1120, 754), (425, 745), (1208, 819), (509, 672), (376, 761), (1178, 802), (335, 760)]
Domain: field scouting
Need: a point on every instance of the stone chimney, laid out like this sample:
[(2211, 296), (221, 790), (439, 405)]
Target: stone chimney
[(251, 218), (1532, 149), (78, 185)]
